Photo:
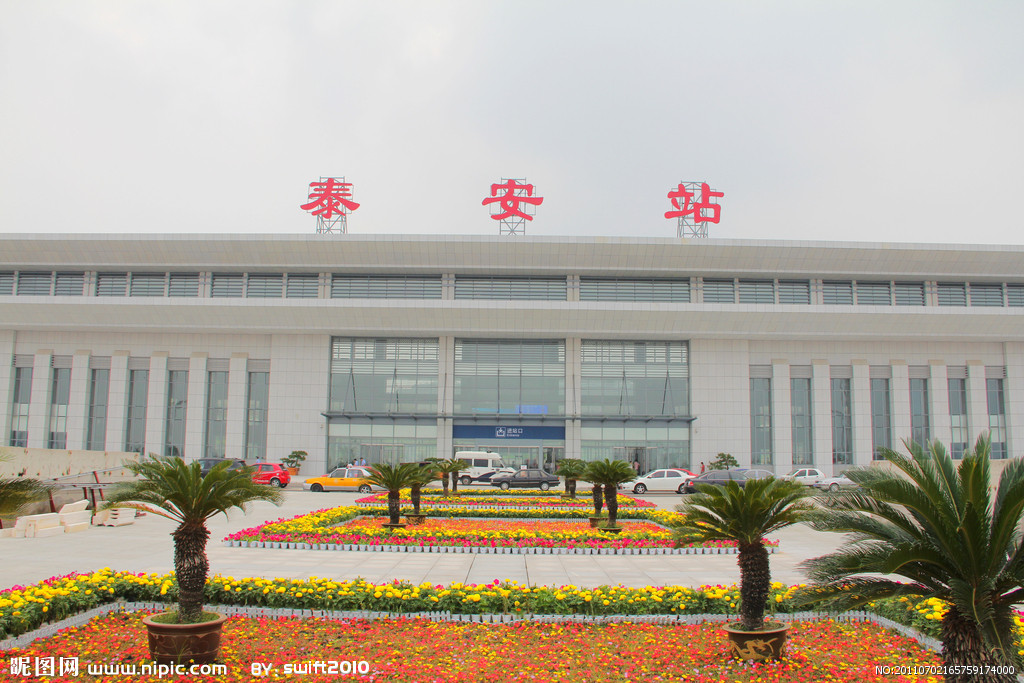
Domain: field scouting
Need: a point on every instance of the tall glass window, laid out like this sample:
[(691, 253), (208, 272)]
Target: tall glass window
[(635, 379), (20, 405), (842, 422), (760, 421), (383, 376), (996, 417), (919, 423), (177, 406), (258, 393), (958, 417), (60, 392), (881, 416), (216, 414), (135, 431), (509, 377), (800, 406), (99, 392)]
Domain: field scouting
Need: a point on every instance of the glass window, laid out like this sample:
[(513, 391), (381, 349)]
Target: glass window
[(794, 292), (34, 284), (265, 286), (216, 414), (996, 417), (183, 284), (111, 284), (958, 417), (385, 287), (760, 421), (909, 293), (881, 417), (511, 377), (506, 288), (986, 294), (99, 392), (303, 286), (837, 292), (842, 422), (873, 294), (952, 294), (227, 285), (256, 416), (69, 284), (135, 430), (148, 284), (634, 379), (383, 376), (20, 405), (919, 419), (719, 291), (60, 390), (803, 435), (177, 406), (603, 289)]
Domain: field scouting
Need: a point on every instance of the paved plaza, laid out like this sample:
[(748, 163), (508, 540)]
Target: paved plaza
[(146, 547)]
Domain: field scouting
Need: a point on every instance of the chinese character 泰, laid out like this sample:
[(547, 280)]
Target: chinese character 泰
[(328, 197)]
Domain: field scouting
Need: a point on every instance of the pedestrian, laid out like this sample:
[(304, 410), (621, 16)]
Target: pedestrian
[(636, 466), (362, 462), (702, 467)]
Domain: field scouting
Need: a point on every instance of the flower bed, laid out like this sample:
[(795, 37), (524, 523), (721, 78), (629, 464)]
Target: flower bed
[(492, 500), (415, 651)]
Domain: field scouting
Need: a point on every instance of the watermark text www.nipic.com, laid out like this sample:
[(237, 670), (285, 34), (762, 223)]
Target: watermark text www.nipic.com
[(69, 666), (350, 667), (944, 670)]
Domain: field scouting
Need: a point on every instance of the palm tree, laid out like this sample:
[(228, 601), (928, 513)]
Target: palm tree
[(572, 469), (18, 492), (608, 474), (180, 492), (745, 514), (394, 478), (425, 475), (451, 468), (939, 528)]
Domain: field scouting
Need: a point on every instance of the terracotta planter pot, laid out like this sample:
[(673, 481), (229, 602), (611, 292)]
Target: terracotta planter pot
[(415, 520), (400, 525), (179, 643), (769, 643), (594, 521), (294, 471), (611, 529)]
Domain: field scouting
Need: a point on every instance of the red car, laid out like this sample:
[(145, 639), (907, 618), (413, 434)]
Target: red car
[(271, 473)]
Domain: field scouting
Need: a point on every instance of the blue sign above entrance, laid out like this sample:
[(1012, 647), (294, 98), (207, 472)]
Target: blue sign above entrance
[(507, 432)]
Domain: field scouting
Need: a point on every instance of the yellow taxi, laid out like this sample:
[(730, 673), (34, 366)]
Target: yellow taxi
[(341, 479)]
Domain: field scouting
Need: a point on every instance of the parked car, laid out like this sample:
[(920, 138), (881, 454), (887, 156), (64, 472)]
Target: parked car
[(722, 477), (341, 479), (486, 478), (271, 473), (833, 484), (669, 480), (808, 476), (527, 478), (207, 464)]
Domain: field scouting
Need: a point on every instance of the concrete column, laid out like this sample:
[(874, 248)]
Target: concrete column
[(573, 389), (78, 401), (445, 394), (572, 288), (860, 386), (938, 402), (117, 403), (782, 417), (195, 411), (821, 420), (1013, 389), (39, 405), (156, 402), (977, 401), (900, 404), (6, 383), (237, 385)]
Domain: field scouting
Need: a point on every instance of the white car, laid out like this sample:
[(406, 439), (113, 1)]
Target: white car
[(833, 484), (669, 481), (808, 476)]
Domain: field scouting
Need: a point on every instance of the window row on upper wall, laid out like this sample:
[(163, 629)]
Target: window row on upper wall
[(677, 290)]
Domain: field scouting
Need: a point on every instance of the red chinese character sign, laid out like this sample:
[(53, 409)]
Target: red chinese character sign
[(692, 215), (515, 205), (329, 200)]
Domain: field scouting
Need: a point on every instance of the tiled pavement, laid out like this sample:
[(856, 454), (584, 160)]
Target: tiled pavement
[(146, 547)]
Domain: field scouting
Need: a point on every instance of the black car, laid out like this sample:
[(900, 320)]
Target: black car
[(528, 478), (207, 464), (722, 477)]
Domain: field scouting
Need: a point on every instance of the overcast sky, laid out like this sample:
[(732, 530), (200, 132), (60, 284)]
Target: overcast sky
[(879, 121)]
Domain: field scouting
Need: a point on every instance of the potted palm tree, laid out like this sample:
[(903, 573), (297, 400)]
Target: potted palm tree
[(938, 527), (451, 468), (293, 461), (170, 488), (394, 478), (425, 476), (745, 515), (609, 474), (571, 469)]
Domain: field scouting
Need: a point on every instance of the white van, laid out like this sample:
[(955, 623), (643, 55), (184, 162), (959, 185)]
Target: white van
[(481, 464)]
